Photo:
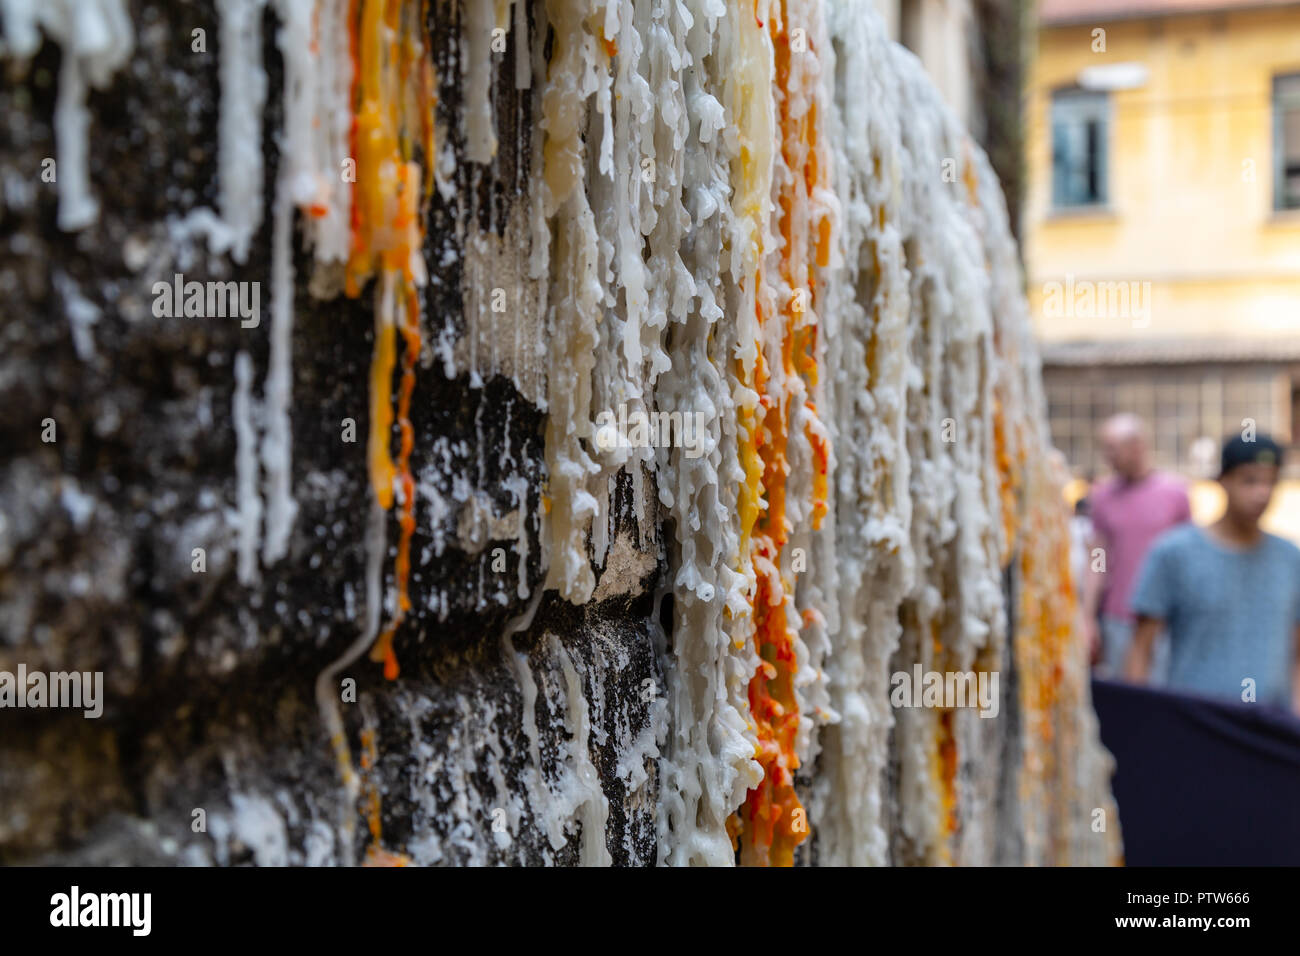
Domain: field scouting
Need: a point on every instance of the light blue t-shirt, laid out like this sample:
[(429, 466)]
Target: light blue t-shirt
[(1231, 615)]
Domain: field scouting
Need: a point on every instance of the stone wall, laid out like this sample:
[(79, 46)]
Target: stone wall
[(385, 571)]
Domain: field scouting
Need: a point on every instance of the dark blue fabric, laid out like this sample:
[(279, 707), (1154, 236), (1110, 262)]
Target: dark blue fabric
[(1201, 782)]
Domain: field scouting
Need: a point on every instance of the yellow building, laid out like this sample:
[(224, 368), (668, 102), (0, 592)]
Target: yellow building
[(1161, 224)]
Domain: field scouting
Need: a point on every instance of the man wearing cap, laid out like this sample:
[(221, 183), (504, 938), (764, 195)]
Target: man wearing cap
[(1228, 594)]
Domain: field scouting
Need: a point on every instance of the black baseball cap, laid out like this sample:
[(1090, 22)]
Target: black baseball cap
[(1238, 451)]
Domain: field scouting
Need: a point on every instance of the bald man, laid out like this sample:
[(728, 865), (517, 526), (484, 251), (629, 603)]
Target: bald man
[(1129, 511)]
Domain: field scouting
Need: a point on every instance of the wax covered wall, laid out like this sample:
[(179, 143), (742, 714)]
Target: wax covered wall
[(627, 400)]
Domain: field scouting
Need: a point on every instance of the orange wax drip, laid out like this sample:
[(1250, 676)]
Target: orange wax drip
[(821, 448), (383, 649), (970, 176), (370, 792), (1008, 480), (944, 757), (376, 855), (394, 97), (1044, 638), (947, 756), (772, 822), (749, 498), (611, 46)]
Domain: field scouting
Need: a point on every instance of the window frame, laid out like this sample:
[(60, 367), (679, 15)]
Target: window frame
[(1279, 160), (1105, 114)]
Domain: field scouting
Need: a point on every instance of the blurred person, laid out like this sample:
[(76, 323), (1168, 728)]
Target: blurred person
[(1129, 510), (1080, 541), (1080, 536), (1229, 594)]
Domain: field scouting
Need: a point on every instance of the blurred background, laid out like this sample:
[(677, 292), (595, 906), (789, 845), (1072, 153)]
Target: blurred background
[(1150, 151)]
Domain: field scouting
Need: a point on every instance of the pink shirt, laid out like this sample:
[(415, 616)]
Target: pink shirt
[(1127, 518)]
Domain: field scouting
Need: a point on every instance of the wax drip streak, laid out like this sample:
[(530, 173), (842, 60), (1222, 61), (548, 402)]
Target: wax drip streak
[(1043, 648), (394, 103), (383, 649), (1008, 481), (708, 747), (943, 767), (577, 71), (376, 855), (327, 696), (773, 822)]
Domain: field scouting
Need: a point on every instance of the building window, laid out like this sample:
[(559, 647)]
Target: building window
[(1185, 408), (1286, 142), (1080, 124)]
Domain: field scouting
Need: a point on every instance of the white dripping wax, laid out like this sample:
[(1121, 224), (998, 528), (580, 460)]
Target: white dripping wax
[(240, 171), (301, 182), (321, 136), (312, 38), (934, 424), (611, 380), (249, 515), (708, 762), (872, 466), (239, 124), (636, 189), (504, 274), (96, 39), (486, 23), (584, 781), (575, 794), (869, 333), (573, 309)]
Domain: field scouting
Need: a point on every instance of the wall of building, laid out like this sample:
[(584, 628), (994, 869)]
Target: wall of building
[(1193, 403), (1191, 184)]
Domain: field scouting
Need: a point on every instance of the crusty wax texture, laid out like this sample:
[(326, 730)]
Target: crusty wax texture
[(772, 820)]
